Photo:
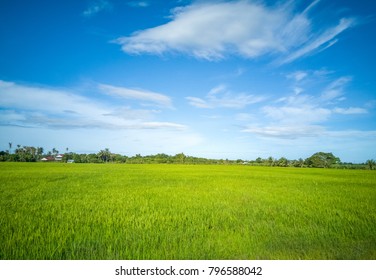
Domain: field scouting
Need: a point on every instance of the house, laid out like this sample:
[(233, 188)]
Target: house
[(53, 158), (48, 158), (59, 157)]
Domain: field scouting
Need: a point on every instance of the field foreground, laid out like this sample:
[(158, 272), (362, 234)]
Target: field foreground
[(120, 211)]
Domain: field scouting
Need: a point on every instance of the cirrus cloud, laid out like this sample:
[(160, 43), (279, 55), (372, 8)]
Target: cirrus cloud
[(301, 114), (350, 111), (222, 97), (137, 94), (40, 106), (138, 4), (96, 7), (250, 29)]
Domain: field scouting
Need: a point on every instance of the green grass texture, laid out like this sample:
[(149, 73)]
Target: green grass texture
[(57, 211)]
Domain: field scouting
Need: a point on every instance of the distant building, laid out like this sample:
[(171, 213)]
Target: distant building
[(59, 157), (48, 158), (53, 158)]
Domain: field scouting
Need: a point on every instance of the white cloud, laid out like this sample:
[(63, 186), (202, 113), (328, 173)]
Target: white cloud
[(323, 41), (314, 3), (37, 106), (350, 111), (198, 102), (127, 112), (221, 97), (156, 125), (304, 115), (308, 131), (286, 132), (298, 90), (139, 4), (96, 7), (294, 118), (44, 99), (214, 30), (361, 134), (137, 94), (335, 90), (297, 75)]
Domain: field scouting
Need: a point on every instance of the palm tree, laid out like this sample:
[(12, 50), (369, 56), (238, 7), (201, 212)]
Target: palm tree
[(39, 152), (10, 147), (105, 154)]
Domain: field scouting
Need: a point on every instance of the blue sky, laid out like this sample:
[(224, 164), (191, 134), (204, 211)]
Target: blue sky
[(218, 79)]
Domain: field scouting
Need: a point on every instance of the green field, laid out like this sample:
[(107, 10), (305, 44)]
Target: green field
[(122, 211)]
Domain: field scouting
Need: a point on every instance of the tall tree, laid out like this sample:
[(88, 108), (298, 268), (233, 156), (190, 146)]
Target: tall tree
[(39, 153), (371, 164), (323, 160), (283, 162), (104, 155)]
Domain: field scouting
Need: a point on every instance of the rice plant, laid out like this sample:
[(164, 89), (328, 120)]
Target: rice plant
[(121, 211)]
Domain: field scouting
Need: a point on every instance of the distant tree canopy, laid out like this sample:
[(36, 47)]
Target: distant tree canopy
[(33, 154), (371, 164), (322, 160)]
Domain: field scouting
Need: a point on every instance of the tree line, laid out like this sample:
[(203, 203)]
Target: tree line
[(34, 154)]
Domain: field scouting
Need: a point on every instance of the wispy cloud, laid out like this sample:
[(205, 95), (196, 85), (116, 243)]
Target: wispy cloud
[(198, 102), (321, 42), (137, 94), (297, 75), (350, 111), (335, 90), (304, 115), (97, 6), (300, 114), (309, 131), (139, 4), (286, 132), (39, 106), (222, 97), (214, 30)]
